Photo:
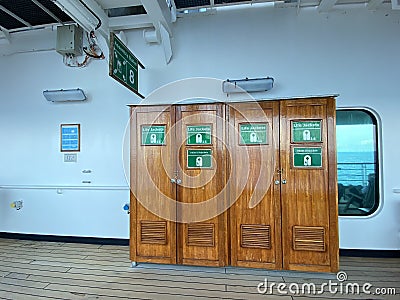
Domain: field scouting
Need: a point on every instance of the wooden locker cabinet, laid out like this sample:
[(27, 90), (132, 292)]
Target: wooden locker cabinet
[(274, 165), (163, 179), (293, 223), (309, 197)]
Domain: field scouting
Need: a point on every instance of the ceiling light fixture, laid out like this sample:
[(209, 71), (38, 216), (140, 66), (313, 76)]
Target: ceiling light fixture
[(247, 85), (64, 95)]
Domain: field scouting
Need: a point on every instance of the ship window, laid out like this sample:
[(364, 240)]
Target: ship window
[(357, 162)]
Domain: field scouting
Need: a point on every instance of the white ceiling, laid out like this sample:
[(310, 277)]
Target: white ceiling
[(125, 14), (156, 16)]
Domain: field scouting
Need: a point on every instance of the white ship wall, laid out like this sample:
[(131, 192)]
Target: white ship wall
[(351, 53)]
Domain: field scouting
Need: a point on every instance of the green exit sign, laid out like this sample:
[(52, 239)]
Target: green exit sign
[(124, 65), (307, 157), (306, 131), (199, 158), (153, 135), (198, 134), (253, 133)]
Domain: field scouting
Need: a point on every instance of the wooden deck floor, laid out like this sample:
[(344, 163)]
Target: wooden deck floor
[(45, 270)]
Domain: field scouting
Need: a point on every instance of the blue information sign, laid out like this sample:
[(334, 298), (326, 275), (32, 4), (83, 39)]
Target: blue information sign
[(70, 137)]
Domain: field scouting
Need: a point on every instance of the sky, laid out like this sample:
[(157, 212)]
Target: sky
[(355, 138)]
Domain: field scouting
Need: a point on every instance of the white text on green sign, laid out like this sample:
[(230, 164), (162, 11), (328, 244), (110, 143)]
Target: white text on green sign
[(253, 133), (198, 135), (306, 131), (199, 159), (124, 64), (153, 135), (307, 157)]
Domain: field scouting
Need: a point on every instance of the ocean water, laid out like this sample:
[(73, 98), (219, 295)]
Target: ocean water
[(354, 167)]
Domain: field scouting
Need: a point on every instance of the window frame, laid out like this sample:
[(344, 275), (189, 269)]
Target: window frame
[(376, 209)]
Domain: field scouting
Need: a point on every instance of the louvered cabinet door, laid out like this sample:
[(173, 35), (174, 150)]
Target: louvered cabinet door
[(255, 216), (153, 234), (308, 189), (202, 228)]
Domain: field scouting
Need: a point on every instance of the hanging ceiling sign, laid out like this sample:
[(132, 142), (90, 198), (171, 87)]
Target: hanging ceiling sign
[(307, 157), (198, 135), (306, 131), (253, 134), (124, 65)]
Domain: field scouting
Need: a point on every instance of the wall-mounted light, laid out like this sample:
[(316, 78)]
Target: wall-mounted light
[(64, 95), (247, 85)]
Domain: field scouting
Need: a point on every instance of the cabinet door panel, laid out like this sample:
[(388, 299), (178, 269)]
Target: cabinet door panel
[(255, 217), (153, 206), (309, 219), (201, 194)]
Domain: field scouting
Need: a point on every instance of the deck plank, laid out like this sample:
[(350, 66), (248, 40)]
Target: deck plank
[(162, 293), (49, 270), (137, 278), (25, 292)]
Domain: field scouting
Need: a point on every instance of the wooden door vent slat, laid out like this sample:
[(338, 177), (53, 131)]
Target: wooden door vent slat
[(255, 236), (309, 238), (153, 232), (201, 234)]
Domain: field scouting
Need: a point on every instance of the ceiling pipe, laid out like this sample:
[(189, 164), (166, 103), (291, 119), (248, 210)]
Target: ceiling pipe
[(88, 14), (15, 16), (47, 11), (6, 36)]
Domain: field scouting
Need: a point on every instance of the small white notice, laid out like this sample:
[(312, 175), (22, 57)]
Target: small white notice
[(70, 157)]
